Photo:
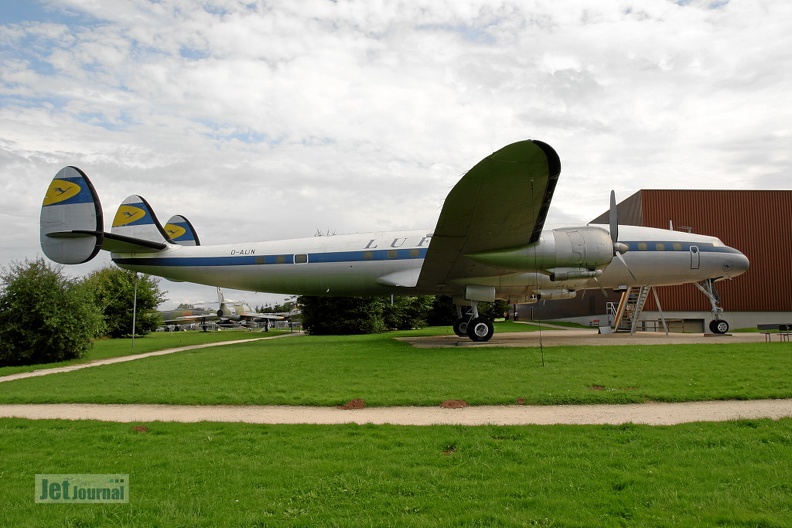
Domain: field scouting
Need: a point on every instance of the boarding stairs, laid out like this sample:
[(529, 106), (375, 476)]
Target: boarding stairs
[(630, 308)]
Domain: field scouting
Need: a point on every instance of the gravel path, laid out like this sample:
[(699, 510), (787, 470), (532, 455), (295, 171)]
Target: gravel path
[(646, 413), (123, 359)]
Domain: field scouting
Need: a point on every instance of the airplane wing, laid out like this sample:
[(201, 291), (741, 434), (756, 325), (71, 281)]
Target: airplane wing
[(258, 316), (191, 319), (501, 203)]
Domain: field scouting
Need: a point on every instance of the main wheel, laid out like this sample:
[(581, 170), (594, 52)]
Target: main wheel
[(480, 329), (719, 326), (460, 327)]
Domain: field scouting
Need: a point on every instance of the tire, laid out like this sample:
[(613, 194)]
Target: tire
[(480, 329), (719, 326), (460, 327)]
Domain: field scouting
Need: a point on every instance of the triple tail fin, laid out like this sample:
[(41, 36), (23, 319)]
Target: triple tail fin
[(72, 224)]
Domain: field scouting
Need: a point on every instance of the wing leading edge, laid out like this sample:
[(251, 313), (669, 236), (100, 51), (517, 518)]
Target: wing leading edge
[(501, 203)]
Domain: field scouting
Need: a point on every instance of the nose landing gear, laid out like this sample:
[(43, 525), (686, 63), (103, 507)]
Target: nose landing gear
[(717, 325)]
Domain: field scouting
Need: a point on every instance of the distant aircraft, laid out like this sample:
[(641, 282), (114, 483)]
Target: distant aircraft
[(229, 313), (239, 313), (199, 316), (488, 244)]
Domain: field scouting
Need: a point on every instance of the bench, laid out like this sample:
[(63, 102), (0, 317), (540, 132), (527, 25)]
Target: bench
[(781, 330)]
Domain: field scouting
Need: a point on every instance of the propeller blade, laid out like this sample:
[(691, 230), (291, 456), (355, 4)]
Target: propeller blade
[(601, 288), (621, 258), (614, 218)]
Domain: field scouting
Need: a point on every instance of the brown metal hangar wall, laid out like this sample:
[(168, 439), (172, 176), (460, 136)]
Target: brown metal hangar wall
[(758, 223)]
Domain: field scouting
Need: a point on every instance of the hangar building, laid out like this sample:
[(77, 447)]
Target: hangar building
[(758, 223)]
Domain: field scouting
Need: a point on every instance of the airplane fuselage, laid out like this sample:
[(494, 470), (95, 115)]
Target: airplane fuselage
[(390, 263)]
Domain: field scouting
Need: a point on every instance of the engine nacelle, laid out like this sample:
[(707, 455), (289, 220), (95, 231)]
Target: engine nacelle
[(579, 248)]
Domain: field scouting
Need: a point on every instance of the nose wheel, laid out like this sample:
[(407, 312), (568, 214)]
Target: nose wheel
[(718, 326)]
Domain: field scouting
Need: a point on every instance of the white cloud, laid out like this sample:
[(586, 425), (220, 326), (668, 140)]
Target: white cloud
[(277, 119)]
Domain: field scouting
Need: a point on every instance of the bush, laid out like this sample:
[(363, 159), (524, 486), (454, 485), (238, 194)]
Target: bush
[(406, 313), (44, 316), (342, 315), (114, 290)]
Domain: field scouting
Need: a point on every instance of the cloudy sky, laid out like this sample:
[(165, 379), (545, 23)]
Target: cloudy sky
[(276, 119)]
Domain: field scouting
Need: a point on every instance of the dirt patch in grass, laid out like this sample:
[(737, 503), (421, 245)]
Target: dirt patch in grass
[(453, 404), (357, 403)]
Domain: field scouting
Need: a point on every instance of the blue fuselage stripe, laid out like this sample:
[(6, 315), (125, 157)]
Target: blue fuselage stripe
[(290, 258), (670, 246)]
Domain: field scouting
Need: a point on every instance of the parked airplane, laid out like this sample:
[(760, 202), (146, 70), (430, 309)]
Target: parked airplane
[(241, 314), (194, 316), (229, 313), (488, 243)]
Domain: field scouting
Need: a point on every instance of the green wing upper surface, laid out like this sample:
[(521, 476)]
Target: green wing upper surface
[(501, 203)]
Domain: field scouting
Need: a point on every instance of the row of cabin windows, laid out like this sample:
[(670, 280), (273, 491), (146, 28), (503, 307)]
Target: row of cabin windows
[(659, 246), (302, 258)]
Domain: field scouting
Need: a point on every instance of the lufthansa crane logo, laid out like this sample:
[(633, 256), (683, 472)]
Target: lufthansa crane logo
[(175, 231), (60, 191), (128, 214)]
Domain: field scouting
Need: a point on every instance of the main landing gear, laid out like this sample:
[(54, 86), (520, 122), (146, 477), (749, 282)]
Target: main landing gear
[(472, 325), (717, 325)]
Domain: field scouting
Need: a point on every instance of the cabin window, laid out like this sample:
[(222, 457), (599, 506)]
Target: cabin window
[(643, 246), (301, 258), (392, 253), (677, 246), (260, 260), (368, 255), (660, 247), (280, 259), (415, 253)]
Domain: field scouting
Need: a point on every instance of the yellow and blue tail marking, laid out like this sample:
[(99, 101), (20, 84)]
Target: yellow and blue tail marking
[(181, 231), (71, 223), (136, 219)]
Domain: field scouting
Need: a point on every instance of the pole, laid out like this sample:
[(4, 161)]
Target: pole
[(134, 311)]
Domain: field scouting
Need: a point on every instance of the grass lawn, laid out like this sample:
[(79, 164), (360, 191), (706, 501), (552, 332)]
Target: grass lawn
[(235, 475), (328, 370), (239, 475), (109, 348)]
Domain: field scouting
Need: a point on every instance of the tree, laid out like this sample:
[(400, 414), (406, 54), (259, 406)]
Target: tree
[(363, 315), (342, 315), (406, 313), (494, 310), (443, 311), (44, 316), (114, 290)]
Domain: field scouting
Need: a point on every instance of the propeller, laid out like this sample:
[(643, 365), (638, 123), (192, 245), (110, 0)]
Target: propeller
[(614, 219), (618, 247)]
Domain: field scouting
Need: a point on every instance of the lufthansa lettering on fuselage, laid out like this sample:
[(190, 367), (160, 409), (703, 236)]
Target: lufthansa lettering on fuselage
[(243, 252), (399, 242)]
